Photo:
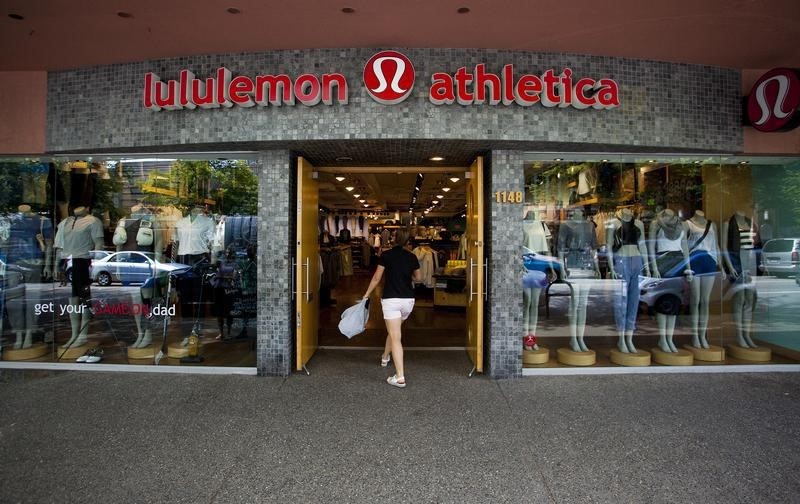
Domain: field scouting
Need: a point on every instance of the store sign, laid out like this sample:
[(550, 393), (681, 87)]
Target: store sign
[(774, 101), (389, 78)]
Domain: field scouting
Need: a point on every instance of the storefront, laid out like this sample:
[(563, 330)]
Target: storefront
[(586, 186)]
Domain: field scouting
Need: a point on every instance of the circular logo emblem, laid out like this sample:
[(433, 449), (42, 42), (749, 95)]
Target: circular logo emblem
[(773, 102), (389, 77)]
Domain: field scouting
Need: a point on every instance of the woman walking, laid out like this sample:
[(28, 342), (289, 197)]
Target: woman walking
[(401, 268)]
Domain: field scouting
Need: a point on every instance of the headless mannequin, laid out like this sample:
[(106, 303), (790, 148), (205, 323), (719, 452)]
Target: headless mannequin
[(739, 259), (673, 233), (534, 241), (80, 316), (622, 264), (580, 275), (700, 288), (37, 266), (193, 245)]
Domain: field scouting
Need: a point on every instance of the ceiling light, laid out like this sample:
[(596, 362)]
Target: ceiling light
[(435, 202), (340, 178), (233, 10), (440, 196), (445, 189), (437, 158), (125, 15), (16, 16), (365, 205), (362, 200), (348, 10), (349, 188), (463, 10), (356, 196), (454, 179)]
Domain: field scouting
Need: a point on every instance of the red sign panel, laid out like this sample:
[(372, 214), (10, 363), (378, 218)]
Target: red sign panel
[(389, 77), (774, 100)]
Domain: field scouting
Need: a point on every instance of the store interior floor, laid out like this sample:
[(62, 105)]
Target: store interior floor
[(428, 326)]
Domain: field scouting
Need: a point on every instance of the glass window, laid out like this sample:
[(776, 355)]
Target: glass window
[(667, 260), (129, 260)]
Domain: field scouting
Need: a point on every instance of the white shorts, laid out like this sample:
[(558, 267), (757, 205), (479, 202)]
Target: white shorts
[(394, 308)]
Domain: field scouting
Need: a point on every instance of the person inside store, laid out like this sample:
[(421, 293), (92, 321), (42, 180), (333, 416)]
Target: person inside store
[(224, 284), (401, 268), (77, 236), (28, 245), (626, 252)]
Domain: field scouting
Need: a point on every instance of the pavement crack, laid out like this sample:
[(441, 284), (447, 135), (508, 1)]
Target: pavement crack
[(502, 393)]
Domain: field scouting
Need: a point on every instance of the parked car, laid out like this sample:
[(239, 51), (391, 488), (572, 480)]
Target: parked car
[(93, 254), (780, 257), (130, 267), (666, 294)]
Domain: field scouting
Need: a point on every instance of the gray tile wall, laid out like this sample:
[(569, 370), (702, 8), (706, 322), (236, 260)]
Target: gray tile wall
[(664, 105), (276, 223), (504, 238)]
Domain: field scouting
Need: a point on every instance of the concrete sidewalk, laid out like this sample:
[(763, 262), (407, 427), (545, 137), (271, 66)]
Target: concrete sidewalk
[(343, 435)]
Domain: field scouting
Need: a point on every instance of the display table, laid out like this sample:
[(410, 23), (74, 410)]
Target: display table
[(450, 290)]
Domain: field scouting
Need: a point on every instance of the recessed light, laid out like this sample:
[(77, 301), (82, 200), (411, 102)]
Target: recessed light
[(454, 179), (233, 10), (349, 188), (16, 16), (344, 158), (365, 205), (435, 202), (356, 196), (362, 200), (445, 189), (125, 15), (348, 10), (604, 160), (437, 158), (440, 196), (463, 10), (340, 178)]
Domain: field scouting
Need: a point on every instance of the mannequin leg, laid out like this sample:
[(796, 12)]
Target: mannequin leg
[(74, 322), (582, 295), (738, 308), (572, 317), (671, 319), (629, 341), (530, 311), (18, 342), (662, 332), (16, 317), (707, 284), (695, 300), (621, 345), (620, 304), (747, 315)]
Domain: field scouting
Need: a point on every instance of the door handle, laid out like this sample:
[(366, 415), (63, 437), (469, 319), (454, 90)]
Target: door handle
[(307, 292), (472, 265), (294, 279), (485, 279)]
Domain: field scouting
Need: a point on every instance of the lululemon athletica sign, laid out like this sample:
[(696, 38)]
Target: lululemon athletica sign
[(774, 101), (389, 78)]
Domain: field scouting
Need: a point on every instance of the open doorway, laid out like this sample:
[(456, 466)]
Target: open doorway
[(358, 212)]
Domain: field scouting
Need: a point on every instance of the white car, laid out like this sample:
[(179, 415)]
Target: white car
[(130, 267), (94, 254)]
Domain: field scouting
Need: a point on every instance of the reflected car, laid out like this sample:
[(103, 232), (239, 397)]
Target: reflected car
[(780, 257), (666, 294), (131, 267), (549, 265), (93, 254)]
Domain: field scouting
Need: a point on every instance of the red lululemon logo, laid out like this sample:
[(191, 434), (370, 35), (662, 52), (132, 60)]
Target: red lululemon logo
[(389, 77), (773, 102)]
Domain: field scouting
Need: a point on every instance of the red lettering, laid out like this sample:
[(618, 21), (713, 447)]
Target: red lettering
[(307, 90), (441, 92), (185, 97), (240, 91), (608, 94), (484, 80), (463, 79), (203, 93), (149, 77), (508, 84), (550, 99), (223, 83), (528, 89), (583, 100), (273, 83), (165, 95), (565, 88), (328, 83)]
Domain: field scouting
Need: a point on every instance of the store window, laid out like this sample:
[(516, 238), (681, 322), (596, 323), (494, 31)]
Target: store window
[(660, 261), (129, 260)]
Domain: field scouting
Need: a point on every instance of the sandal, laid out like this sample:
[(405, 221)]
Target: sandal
[(85, 356), (396, 381), (97, 356), (385, 362)]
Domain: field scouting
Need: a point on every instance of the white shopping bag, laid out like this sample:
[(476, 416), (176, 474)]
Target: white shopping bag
[(354, 319)]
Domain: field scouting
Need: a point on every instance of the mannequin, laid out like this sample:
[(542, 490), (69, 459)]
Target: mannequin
[(737, 244), (577, 242), (668, 248), (704, 250), (534, 236), (626, 253), (77, 236), (224, 283), (194, 234), (29, 245)]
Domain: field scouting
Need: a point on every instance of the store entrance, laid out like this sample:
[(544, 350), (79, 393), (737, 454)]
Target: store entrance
[(347, 217)]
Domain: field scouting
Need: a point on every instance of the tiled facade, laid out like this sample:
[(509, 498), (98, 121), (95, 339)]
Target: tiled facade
[(664, 107)]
